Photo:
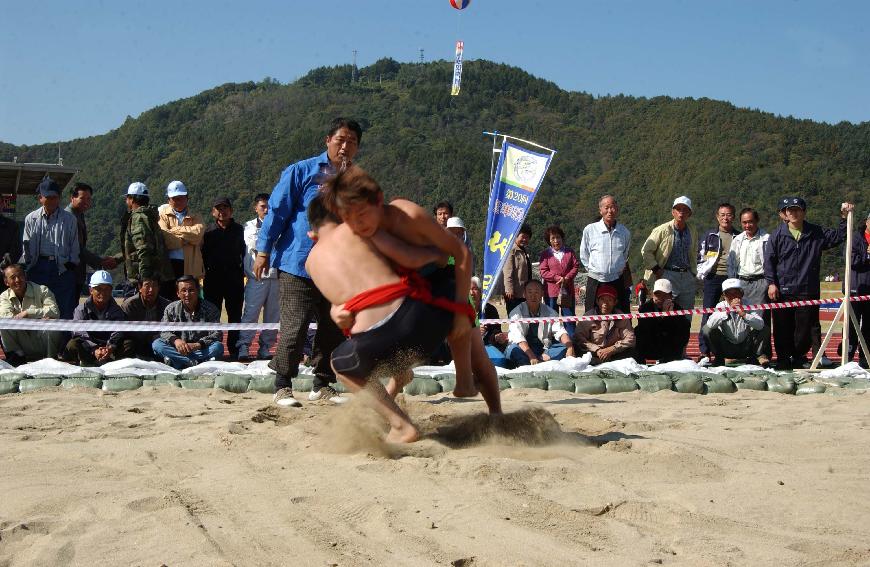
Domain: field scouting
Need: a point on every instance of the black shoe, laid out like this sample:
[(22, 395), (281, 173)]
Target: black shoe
[(245, 358), (783, 364), (15, 359)]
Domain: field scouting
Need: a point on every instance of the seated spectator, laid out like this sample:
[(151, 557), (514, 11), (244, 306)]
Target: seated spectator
[(531, 343), (184, 349), (661, 338), (93, 348), (558, 266), (27, 300), (491, 334), (146, 305), (738, 334), (606, 340)]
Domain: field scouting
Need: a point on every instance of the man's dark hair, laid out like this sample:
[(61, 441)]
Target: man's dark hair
[(6, 264), (526, 229), (350, 187), (351, 125), (319, 214), (261, 197), (141, 200), (79, 186), (726, 206), (187, 279), (442, 205), (533, 281), (148, 278), (745, 210)]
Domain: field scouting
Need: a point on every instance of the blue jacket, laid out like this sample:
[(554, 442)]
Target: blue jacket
[(795, 266), (284, 232), (709, 249), (860, 264)]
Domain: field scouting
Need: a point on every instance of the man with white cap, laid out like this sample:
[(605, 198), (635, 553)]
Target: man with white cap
[(93, 348), (182, 234), (669, 252), (142, 251), (457, 227), (661, 338), (737, 334)]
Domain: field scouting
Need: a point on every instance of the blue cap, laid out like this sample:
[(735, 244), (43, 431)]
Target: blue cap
[(176, 189), (48, 187), (788, 202)]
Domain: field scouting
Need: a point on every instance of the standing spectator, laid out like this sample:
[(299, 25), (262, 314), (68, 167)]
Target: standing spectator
[(746, 261), (182, 235), (27, 300), (661, 338), (283, 243), (79, 203), (10, 243), (223, 249), (531, 343), (184, 349), (792, 268), (489, 333), (442, 211), (860, 285), (50, 247), (737, 335), (93, 348), (457, 227), (142, 251), (259, 294), (606, 340), (517, 270), (604, 252), (669, 252), (558, 266), (146, 305), (713, 262)]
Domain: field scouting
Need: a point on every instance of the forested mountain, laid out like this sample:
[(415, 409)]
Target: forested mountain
[(421, 143)]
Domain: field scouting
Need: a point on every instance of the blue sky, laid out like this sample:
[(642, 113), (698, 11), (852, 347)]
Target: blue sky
[(70, 69)]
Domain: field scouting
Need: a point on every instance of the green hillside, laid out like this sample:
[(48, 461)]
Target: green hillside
[(423, 144)]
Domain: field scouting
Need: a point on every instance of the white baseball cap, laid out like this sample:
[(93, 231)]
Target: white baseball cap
[(455, 222), (101, 277), (731, 283), (682, 200), (137, 188), (175, 189), (663, 285)]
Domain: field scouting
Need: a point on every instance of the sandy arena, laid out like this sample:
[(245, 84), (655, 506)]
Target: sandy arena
[(159, 477)]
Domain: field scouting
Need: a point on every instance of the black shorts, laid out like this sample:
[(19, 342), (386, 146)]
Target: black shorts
[(412, 333)]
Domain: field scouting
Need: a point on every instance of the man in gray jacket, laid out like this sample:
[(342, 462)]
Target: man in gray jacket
[(183, 349)]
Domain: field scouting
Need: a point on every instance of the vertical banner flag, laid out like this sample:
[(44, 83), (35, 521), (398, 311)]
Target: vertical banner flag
[(457, 69), (515, 184)]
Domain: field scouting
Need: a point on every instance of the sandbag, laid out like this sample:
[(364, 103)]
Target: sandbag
[(122, 384), (503, 385), (423, 387), (834, 382), (750, 382), (164, 383), (12, 377), (8, 387), (687, 383), (302, 384), (447, 384), (166, 376), (781, 385), (262, 384), (338, 387), (858, 384), (715, 384), (810, 388), (33, 384), (564, 383), (78, 382), (619, 385), (235, 383), (591, 385), (527, 381), (654, 382), (201, 383)]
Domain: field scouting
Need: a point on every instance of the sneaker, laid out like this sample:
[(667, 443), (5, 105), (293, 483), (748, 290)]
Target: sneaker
[(284, 398), (327, 393), (826, 362)]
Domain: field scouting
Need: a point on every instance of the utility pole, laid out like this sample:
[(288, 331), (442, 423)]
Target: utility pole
[(353, 75), (421, 56)]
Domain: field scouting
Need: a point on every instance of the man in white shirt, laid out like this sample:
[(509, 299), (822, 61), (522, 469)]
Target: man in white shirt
[(746, 258), (738, 334), (531, 343), (604, 251)]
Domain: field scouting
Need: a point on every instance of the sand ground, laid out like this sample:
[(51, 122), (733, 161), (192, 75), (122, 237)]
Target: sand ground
[(160, 477)]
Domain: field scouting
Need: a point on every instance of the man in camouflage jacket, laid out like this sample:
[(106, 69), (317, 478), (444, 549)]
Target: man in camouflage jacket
[(142, 248)]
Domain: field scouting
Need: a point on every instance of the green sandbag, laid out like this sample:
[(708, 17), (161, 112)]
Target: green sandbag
[(302, 384), (114, 384), (619, 385), (527, 381), (687, 383), (750, 382), (202, 383), (715, 384), (858, 384), (262, 384), (654, 382), (810, 388), (13, 377), (503, 385), (235, 383), (164, 376), (552, 374), (612, 374), (591, 385), (163, 383), (446, 384), (48, 377), (121, 377), (340, 388), (423, 387), (440, 376), (77, 382), (564, 383), (8, 387), (834, 382), (32, 384), (781, 385)]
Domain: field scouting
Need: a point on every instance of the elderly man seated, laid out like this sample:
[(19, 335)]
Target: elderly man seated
[(531, 343), (606, 340), (739, 334), (93, 348), (183, 349), (27, 300), (661, 338)]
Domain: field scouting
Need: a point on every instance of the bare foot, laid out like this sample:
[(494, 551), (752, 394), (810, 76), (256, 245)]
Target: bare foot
[(404, 434), (465, 392)]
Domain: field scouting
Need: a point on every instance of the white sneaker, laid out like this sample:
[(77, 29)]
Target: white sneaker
[(327, 393), (284, 398)]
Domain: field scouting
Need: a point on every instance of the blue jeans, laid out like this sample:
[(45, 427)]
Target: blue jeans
[(63, 286), (179, 361), (519, 358), (566, 310)]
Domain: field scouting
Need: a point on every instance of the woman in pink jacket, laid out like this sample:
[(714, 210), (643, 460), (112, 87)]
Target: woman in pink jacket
[(558, 268)]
